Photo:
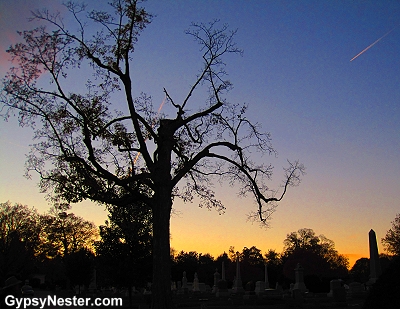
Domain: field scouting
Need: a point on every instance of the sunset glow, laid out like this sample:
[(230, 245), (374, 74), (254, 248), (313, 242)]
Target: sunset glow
[(340, 119)]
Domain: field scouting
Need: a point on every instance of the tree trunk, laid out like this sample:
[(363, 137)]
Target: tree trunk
[(161, 288)]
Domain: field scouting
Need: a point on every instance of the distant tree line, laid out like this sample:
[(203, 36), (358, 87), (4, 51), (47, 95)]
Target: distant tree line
[(66, 248), (316, 254), (57, 244)]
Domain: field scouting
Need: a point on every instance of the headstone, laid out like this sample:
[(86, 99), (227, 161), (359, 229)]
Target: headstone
[(222, 289), (249, 291), (202, 287), (334, 284), (260, 288), (297, 296), (179, 288), (237, 284), (356, 290), (299, 274), (375, 266), (26, 289), (276, 293), (173, 286), (184, 283), (295, 299), (338, 291), (196, 287), (216, 279), (250, 286)]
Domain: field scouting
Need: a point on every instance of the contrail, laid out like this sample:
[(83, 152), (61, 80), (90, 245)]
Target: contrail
[(158, 113), (364, 50)]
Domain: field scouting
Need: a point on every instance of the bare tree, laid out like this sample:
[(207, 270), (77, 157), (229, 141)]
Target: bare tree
[(84, 150)]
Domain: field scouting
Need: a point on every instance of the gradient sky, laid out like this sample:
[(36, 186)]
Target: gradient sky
[(340, 118)]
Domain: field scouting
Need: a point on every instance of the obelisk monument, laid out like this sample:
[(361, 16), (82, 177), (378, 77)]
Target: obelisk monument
[(375, 266)]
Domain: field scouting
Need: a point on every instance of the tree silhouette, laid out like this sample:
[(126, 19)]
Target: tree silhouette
[(275, 267), (85, 150), (391, 241), (19, 239), (124, 251), (360, 270), (318, 256), (64, 233), (252, 264)]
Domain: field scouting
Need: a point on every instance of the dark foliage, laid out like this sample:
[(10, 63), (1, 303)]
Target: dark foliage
[(318, 257), (79, 267), (360, 270), (391, 241), (124, 253), (385, 293), (19, 239)]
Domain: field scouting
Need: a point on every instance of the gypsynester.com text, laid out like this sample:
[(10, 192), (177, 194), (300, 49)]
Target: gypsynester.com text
[(55, 301)]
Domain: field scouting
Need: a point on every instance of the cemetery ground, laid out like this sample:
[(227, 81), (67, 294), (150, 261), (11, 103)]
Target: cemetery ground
[(210, 301)]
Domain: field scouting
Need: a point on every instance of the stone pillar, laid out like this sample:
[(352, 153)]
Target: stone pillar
[(196, 286), (222, 286), (375, 266), (237, 284), (217, 277), (299, 273), (184, 283)]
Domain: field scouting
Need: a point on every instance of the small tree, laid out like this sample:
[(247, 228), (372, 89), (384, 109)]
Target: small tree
[(275, 267), (19, 239), (124, 250), (391, 241), (186, 261), (64, 233), (252, 264), (360, 270), (317, 254), (84, 150)]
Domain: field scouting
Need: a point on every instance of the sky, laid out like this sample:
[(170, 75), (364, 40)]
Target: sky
[(340, 118)]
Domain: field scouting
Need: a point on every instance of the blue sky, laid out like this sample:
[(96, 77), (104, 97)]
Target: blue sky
[(340, 118)]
